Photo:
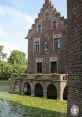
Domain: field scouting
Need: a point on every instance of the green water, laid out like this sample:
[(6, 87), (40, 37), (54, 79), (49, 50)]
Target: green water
[(26, 106), (4, 86)]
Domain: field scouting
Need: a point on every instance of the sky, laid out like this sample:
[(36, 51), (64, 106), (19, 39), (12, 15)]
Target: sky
[(16, 18)]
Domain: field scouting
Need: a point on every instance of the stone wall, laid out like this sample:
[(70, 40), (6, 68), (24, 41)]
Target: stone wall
[(75, 56), (60, 82)]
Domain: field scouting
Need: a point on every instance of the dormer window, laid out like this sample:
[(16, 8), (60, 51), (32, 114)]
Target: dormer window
[(39, 27)]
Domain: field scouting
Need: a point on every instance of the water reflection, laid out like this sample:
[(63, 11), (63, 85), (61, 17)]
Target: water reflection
[(8, 110)]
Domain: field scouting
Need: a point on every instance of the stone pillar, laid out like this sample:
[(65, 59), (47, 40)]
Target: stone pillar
[(12, 86), (59, 92), (22, 88), (44, 93), (74, 58), (60, 97), (32, 89)]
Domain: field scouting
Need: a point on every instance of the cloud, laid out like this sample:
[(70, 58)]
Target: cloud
[(13, 12), (13, 28), (3, 34)]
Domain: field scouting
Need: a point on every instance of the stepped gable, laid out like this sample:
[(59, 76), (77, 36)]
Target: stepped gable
[(47, 8)]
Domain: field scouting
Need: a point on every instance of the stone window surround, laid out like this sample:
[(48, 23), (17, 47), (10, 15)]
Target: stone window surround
[(35, 40), (55, 36), (53, 59), (52, 23), (39, 23), (37, 61)]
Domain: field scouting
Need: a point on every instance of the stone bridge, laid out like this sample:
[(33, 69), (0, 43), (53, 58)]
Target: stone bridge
[(53, 86)]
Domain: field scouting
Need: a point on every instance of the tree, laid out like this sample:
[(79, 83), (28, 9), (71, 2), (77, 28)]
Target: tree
[(2, 54), (5, 70), (17, 57), (18, 61), (1, 51)]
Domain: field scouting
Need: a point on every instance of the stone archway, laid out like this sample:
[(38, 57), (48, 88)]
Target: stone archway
[(27, 88), (38, 90), (51, 92), (17, 87), (65, 93)]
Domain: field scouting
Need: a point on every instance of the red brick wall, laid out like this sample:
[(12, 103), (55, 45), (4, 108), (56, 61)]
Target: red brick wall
[(46, 25)]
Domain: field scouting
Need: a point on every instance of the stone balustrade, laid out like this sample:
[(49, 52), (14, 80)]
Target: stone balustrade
[(56, 77)]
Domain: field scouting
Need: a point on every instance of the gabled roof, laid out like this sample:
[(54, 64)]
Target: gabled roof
[(47, 4)]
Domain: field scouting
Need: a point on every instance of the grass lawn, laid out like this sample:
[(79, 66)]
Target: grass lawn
[(36, 107), (4, 80)]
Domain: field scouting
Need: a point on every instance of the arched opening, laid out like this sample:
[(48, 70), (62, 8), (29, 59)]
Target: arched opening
[(17, 87), (65, 93), (27, 89), (38, 90), (51, 92)]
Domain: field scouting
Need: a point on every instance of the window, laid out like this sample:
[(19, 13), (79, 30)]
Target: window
[(37, 46), (39, 28), (54, 24), (39, 67), (53, 67), (57, 43)]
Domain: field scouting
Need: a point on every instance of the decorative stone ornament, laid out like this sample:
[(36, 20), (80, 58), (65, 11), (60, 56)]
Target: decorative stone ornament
[(75, 110), (45, 46)]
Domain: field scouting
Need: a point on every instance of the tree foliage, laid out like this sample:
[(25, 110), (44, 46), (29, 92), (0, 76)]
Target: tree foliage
[(5, 70), (17, 57), (2, 54), (16, 63)]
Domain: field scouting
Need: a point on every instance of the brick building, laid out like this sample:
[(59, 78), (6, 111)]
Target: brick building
[(47, 46), (74, 58), (47, 42)]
